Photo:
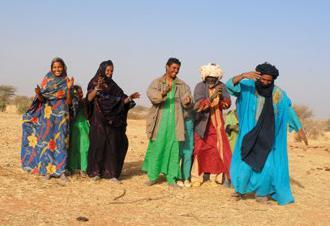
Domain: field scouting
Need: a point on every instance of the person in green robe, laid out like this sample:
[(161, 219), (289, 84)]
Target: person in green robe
[(187, 149), (79, 134), (169, 95), (232, 127)]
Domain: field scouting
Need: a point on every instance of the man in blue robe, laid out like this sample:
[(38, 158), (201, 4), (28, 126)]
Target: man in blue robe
[(260, 161)]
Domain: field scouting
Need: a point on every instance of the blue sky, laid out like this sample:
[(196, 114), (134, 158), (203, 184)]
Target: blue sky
[(139, 36)]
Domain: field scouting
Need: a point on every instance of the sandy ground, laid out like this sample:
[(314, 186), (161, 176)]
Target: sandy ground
[(29, 200)]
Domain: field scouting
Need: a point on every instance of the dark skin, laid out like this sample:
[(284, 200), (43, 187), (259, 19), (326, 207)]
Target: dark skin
[(57, 69), (265, 80), (100, 85), (210, 81), (171, 72)]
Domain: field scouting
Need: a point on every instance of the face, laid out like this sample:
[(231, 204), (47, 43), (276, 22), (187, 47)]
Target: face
[(57, 69), (109, 71), (266, 80), (80, 93), (172, 70), (211, 81)]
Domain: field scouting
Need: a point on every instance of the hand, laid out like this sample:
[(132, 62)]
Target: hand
[(100, 82), (38, 90), (302, 135), (218, 90), (202, 105), (187, 100), (166, 90), (70, 82), (135, 95), (253, 75)]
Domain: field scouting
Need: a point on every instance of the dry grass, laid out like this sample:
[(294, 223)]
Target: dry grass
[(29, 200)]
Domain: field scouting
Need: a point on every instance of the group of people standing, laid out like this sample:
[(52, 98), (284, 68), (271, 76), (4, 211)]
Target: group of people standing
[(188, 136), (63, 131)]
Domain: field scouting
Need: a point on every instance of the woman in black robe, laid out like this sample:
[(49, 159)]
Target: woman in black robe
[(107, 113)]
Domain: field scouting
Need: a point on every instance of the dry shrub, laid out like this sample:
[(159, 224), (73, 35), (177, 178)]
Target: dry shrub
[(138, 113), (327, 125), (312, 127), (6, 92), (22, 103)]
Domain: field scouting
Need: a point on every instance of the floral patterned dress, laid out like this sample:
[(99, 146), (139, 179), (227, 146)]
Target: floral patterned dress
[(45, 125)]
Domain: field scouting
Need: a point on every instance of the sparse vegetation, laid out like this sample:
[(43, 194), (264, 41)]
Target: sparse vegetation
[(6, 92), (22, 103), (138, 113), (313, 128)]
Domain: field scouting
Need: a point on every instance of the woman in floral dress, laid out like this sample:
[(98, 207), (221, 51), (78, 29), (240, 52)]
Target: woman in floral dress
[(45, 137)]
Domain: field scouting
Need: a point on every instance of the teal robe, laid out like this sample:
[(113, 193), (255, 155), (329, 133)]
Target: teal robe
[(274, 179)]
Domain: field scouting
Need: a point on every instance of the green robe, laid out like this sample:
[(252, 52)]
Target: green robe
[(163, 153), (232, 123), (79, 143)]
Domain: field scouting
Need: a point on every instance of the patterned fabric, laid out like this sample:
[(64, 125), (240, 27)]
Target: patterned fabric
[(46, 129)]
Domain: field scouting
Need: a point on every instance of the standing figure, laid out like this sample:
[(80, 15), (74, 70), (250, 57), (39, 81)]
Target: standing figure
[(260, 159), (187, 149), (232, 127), (79, 133), (212, 153), (45, 139), (165, 124), (108, 106)]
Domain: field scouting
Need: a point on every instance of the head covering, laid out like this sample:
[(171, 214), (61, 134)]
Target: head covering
[(267, 69), (211, 70)]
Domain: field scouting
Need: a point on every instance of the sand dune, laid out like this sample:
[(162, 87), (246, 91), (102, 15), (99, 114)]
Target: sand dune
[(29, 200)]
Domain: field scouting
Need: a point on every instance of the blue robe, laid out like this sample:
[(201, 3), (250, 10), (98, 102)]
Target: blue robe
[(274, 179)]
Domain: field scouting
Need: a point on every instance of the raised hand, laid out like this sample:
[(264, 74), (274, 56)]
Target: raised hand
[(218, 90), (70, 82), (135, 95), (166, 90), (253, 75), (37, 90), (38, 93), (99, 85)]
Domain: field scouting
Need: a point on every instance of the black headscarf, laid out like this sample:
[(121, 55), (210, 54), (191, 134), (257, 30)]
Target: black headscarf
[(258, 143), (111, 98)]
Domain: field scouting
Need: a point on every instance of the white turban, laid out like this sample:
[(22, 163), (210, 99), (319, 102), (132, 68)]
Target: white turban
[(212, 70)]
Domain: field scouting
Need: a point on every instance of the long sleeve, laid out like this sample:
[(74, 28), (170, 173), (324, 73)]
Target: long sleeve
[(154, 93), (232, 89), (294, 122), (225, 101), (186, 92)]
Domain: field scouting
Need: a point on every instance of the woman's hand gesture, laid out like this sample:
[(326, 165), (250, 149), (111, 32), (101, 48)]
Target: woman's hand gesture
[(70, 82)]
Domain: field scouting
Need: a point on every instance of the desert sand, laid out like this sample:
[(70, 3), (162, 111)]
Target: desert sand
[(30, 200)]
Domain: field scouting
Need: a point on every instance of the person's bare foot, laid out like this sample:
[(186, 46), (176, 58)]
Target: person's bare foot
[(96, 178), (187, 184), (47, 177), (115, 180), (83, 174), (262, 199), (64, 178), (174, 186), (149, 183), (237, 196), (180, 183), (196, 184)]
